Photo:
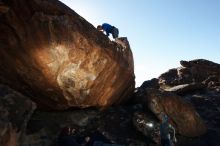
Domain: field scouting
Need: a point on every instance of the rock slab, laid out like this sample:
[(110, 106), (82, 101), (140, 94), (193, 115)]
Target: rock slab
[(50, 53)]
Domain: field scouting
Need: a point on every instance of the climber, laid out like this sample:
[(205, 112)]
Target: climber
[(109, 29), (165, 126), (67, 137)]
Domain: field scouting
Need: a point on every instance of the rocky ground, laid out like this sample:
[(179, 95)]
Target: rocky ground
[(57, 70), (117, 123)]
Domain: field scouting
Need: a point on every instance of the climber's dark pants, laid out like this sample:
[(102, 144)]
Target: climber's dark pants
[(165, 142), (115, 32)]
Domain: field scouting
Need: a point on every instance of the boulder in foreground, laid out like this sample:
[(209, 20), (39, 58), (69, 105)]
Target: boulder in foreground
[(182, 114)]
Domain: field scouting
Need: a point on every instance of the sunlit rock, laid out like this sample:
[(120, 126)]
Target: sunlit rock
[(186, 88), (53, 55)]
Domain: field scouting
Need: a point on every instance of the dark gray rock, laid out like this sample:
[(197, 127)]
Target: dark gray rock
[(15, 112), (147, 125)]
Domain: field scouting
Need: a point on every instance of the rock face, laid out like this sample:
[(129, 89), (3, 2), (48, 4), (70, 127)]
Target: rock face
[(191, 71), (189, 93), (15, 110), (53, 55), (147, 125), (181, 113)]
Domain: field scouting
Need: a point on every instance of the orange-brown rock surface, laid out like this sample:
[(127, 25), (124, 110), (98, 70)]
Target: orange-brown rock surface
[(181, 113), (55, 56)]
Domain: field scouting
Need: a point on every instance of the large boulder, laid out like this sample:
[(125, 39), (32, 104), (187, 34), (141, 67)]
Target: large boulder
[(182, 114), (15, 110), (50, 53)]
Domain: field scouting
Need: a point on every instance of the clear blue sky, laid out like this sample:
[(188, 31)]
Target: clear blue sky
[(160, 32)]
